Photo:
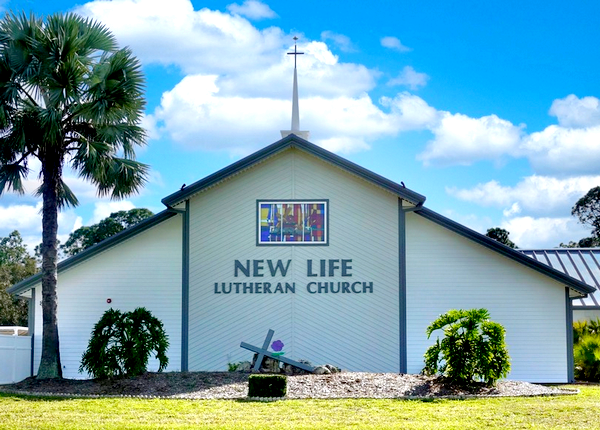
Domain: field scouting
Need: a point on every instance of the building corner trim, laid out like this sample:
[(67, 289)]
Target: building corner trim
[(402, 287), (185, 286), (569, 328)]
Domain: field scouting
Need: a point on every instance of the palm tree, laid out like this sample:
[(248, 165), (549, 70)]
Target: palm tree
[(70, 98)]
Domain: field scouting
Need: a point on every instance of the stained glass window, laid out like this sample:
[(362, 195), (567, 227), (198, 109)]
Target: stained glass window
[(292, 222)]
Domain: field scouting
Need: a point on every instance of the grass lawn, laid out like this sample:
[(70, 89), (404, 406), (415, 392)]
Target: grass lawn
[(564, 412)]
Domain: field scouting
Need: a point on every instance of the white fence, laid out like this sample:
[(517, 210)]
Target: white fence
[(15, 358)]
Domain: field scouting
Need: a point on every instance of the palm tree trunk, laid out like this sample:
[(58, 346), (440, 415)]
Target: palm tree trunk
[(50, 366)]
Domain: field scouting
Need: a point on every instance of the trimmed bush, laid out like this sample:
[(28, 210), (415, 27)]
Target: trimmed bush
[(121, 344), (267, 386), (472, 349)]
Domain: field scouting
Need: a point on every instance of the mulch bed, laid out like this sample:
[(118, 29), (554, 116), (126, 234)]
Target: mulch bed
[(234, 385)]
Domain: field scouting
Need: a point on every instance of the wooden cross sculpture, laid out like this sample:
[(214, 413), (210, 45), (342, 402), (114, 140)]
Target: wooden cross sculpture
[(264, 352)]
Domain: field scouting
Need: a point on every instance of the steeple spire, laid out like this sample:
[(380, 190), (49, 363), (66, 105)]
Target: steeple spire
[(295, 109)]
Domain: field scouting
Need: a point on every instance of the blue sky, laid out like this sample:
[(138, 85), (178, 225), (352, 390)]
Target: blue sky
[(490, 109)]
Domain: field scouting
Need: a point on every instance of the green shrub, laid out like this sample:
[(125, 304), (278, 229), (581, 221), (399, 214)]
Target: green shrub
[(586, 350), (121, 344), (586, 356), (267, 386), (581, 328), (472, 349)]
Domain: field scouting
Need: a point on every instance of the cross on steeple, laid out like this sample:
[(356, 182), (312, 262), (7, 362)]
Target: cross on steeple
[(295, 109), (295, 53)]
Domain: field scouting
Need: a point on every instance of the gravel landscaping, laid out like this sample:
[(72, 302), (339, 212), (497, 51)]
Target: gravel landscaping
[(234, 385)]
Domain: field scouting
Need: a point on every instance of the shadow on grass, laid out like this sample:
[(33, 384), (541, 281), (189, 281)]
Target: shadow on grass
[(148, 384)]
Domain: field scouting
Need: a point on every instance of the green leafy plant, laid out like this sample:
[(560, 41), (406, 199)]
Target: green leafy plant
[(472, 349), (121, 344), (586, 350), (267, 386), (582, 328), (586, 356)]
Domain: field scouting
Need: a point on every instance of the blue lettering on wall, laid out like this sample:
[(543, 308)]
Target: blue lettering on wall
[(325, 268)]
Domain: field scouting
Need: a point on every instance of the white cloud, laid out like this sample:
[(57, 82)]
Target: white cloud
[(249, 62), (575, 112), (149, 125), (411, 78), (528, 232), (104, 209), (235, 105), (252, 9), (537, 195), (27, 219), (22, 217), (410, 112), (319, 74), (463, 140), (196, 115), (564, 151), (173, 33), (341, 41), (569, 149), (246, 71), (394, 43), (513, 210)]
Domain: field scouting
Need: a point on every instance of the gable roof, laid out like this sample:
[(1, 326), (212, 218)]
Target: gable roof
[(571, 282), (144, 225), (292, 141)]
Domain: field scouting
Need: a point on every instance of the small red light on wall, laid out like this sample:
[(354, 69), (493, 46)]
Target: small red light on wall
[(108, 300)]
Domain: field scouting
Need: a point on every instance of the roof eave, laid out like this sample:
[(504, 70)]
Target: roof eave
[(293, 141), (517, 256)]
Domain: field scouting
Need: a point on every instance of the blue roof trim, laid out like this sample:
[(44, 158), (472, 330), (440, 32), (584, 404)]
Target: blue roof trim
[(515, 255), (293, 141), (96, 249)]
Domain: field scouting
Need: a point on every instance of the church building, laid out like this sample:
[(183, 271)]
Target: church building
[(347, 267)]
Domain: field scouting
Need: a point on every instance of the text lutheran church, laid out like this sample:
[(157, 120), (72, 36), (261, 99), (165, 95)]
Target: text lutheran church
[(286, 239)]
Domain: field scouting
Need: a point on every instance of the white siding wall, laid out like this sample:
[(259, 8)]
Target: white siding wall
[(586, 314), (353, 331), (446, 271), (144, 271)]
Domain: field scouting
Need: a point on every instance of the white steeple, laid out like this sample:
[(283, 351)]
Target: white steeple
[(295, 109)]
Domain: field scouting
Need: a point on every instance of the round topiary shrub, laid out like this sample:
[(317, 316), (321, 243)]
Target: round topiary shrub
[(472, 349), (121, 344)]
